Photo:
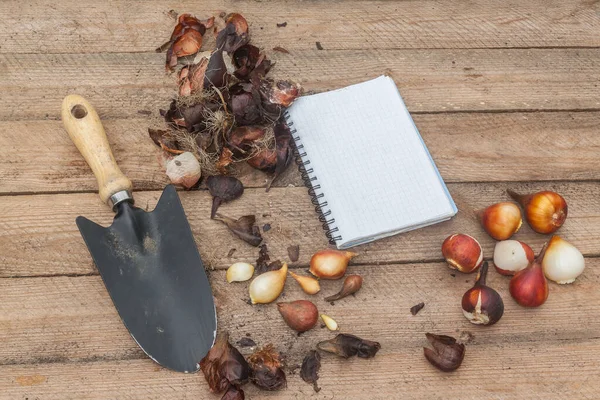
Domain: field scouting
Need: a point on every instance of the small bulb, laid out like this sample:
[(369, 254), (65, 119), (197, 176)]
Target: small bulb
[(330, 264), (529, 287), (462, 252), (300, 315), (481, 304), (501, 220), (545, 211), (329, 323), (511, 256), (308, 284), (267, 287), (563, 262), (239, 272)]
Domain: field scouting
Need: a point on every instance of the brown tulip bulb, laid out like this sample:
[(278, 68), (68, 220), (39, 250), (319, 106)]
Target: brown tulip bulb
[(481, 304), (462, 252), (529, 287), (545, 211), (501, 220), (300, 315)]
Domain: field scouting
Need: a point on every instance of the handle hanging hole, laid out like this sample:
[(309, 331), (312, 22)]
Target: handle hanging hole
[(78, 111)]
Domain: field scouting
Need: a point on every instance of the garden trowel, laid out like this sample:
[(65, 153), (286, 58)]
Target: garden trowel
[(148, 261)]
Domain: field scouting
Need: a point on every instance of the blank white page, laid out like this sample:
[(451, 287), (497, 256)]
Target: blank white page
[(369, 162)]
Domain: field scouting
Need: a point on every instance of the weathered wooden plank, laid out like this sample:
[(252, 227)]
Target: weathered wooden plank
[(554, 372), (121, 84), (67, 319), (68, 329), (466, 147), (119, 26), (38, 235)]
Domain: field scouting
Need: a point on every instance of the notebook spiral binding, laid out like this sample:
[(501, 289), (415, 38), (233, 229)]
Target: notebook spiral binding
[(311, 181)]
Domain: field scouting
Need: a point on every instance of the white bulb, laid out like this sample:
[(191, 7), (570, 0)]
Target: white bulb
[(563, 262)]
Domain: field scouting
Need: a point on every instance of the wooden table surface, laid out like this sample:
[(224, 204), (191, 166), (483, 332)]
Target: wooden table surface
[(505, 94)]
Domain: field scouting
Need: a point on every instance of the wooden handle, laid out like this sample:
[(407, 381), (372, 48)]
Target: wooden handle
[(86, 131)]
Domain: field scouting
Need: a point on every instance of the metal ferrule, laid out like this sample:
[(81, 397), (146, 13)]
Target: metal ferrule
[(119, 197)]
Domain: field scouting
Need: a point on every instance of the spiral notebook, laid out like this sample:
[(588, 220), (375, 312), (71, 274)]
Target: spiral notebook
[(369, 173)]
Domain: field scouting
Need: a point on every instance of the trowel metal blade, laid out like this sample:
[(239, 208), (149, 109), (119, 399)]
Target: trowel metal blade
[(152, 270)]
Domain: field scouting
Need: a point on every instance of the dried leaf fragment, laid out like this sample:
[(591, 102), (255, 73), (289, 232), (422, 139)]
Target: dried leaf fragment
[(191, 78), (266, 372), (164, 139), (245, 59), (241, 139), (281, 49), (293, 253), (283, 151), (284, 93), (229, 39), (414, 310), (246, 342), (225, 160), (446, 355), (264, 160), (243, 227), (186, 39), (264, 263), (309, 372), (223, 189), (345, 345), (224, 366), (233, 393)]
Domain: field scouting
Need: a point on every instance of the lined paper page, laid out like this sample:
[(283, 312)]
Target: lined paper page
[(373, 168)]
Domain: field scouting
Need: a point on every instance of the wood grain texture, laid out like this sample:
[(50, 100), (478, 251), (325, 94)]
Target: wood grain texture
[(121, 26), (38, 235), (553, 372), (466, 147), (122, 84), (68, 329)]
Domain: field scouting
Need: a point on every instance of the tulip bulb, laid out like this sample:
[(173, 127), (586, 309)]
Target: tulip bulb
[(481, 304), (329, 323), (239, 272), (511, 256), (267, 287), (351, 285), (300, 315), (330, 264), (462, 252), (308, 284), (184, 170), (501, 220), (545, 211), (529, 287), (563, 262)]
